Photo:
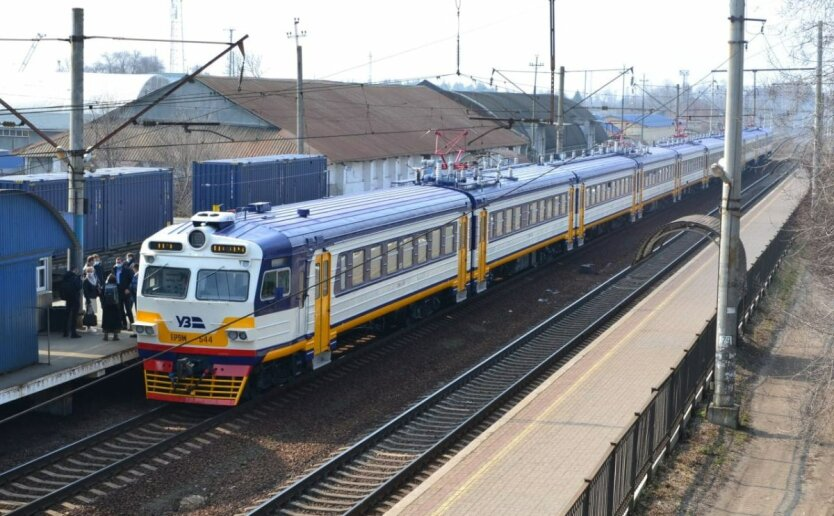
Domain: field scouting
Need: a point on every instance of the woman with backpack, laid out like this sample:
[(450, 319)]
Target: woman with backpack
[(111, 321)]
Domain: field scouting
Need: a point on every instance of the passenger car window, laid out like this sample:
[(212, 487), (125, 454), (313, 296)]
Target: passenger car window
[(407, 252), (357, 267), (375, 266)]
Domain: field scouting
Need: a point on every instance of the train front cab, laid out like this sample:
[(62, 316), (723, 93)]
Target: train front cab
[(196, 329)]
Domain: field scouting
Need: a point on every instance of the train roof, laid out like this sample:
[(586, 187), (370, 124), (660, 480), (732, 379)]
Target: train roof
[(529, 178), (293, 226)]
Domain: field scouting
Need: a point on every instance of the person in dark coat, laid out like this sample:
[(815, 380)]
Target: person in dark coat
[(99, 268), (71, 289), (111, 318), (92, 290), (124, 275)]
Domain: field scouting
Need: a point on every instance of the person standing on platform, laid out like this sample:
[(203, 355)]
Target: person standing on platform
[(71, 292), (92, 290), (99, 268), (124, 275), (110, 309), (129, 260)]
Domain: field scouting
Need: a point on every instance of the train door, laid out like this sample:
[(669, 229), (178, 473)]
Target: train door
[(481, 272), (463, 260), (582, 202), (571, 219), (322, 289), (678, 172)]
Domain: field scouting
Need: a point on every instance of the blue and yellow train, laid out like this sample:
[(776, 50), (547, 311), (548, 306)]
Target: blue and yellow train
[(230, 301)]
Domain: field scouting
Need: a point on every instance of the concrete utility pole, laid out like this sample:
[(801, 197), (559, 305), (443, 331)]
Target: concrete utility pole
[(75, 198), (536, 64), (560, 124), (299, 98), (818, 129), (677, 109), (552, 58), (231, 70), (723, 409), (643, 111)]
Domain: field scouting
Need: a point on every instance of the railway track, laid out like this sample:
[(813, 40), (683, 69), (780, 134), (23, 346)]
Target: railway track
[(365, 475), (57, 476)]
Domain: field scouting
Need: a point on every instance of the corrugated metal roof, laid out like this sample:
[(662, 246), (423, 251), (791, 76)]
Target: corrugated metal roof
[(357, 122), (166, 145), (520, 106)]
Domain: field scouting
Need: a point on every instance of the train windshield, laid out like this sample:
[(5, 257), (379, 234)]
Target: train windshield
[(165, 282), (222, 285)]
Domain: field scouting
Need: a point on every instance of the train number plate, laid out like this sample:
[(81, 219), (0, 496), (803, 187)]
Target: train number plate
[(181, 338)]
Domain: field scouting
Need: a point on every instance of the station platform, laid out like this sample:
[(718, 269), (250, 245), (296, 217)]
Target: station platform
[(536, 458), (61, 360)]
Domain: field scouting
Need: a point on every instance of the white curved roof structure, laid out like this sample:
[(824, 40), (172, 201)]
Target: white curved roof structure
[(44, 97)]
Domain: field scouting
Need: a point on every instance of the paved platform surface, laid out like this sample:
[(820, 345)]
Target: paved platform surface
[(535, 459), (62, 360)]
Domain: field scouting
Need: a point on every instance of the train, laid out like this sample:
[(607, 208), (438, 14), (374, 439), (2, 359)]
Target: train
[(231, 303)]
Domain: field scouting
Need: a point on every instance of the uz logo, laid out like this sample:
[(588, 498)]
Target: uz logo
[(190, 322)]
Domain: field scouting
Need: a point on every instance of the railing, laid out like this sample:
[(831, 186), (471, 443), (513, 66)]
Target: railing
[(623, 474)]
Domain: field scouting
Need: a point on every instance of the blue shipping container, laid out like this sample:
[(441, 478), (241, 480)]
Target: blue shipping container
[(279, 179), (124, 205)]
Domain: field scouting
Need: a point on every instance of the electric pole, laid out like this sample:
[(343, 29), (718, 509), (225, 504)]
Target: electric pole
[(643, 111), (231, 71), (560, 123), (75, 197), (536, 65), (299, 98), (552, 58), (723, 409)]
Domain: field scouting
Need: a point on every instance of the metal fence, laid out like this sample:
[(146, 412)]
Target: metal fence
[(629, 466)]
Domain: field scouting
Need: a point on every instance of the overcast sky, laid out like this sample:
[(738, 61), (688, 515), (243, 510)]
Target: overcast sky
[(414, 39)]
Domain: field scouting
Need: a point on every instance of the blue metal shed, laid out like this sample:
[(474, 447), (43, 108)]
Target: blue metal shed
[(31, 230)]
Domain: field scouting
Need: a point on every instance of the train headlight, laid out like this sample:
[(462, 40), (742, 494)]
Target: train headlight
[(242, 335), (144, 329), (197, 239), (232, 334)]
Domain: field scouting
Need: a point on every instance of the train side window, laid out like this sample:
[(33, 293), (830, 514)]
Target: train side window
[(407, 252), (273, 281), (533, 212), (498, 226), (375, 262), (391, 255), (548, 209), (449, 239), (434, 244), (542, 214), (357, 267), (508, 221), (422, 248), (516, 218), (341, 274)]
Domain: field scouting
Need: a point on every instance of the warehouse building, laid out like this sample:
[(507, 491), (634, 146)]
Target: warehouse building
[(374, 136)]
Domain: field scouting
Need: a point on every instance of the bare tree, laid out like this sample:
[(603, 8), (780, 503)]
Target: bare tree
[(126, 62)]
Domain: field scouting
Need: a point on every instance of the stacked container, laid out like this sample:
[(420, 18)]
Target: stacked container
[(280, 179), (124, 205)]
